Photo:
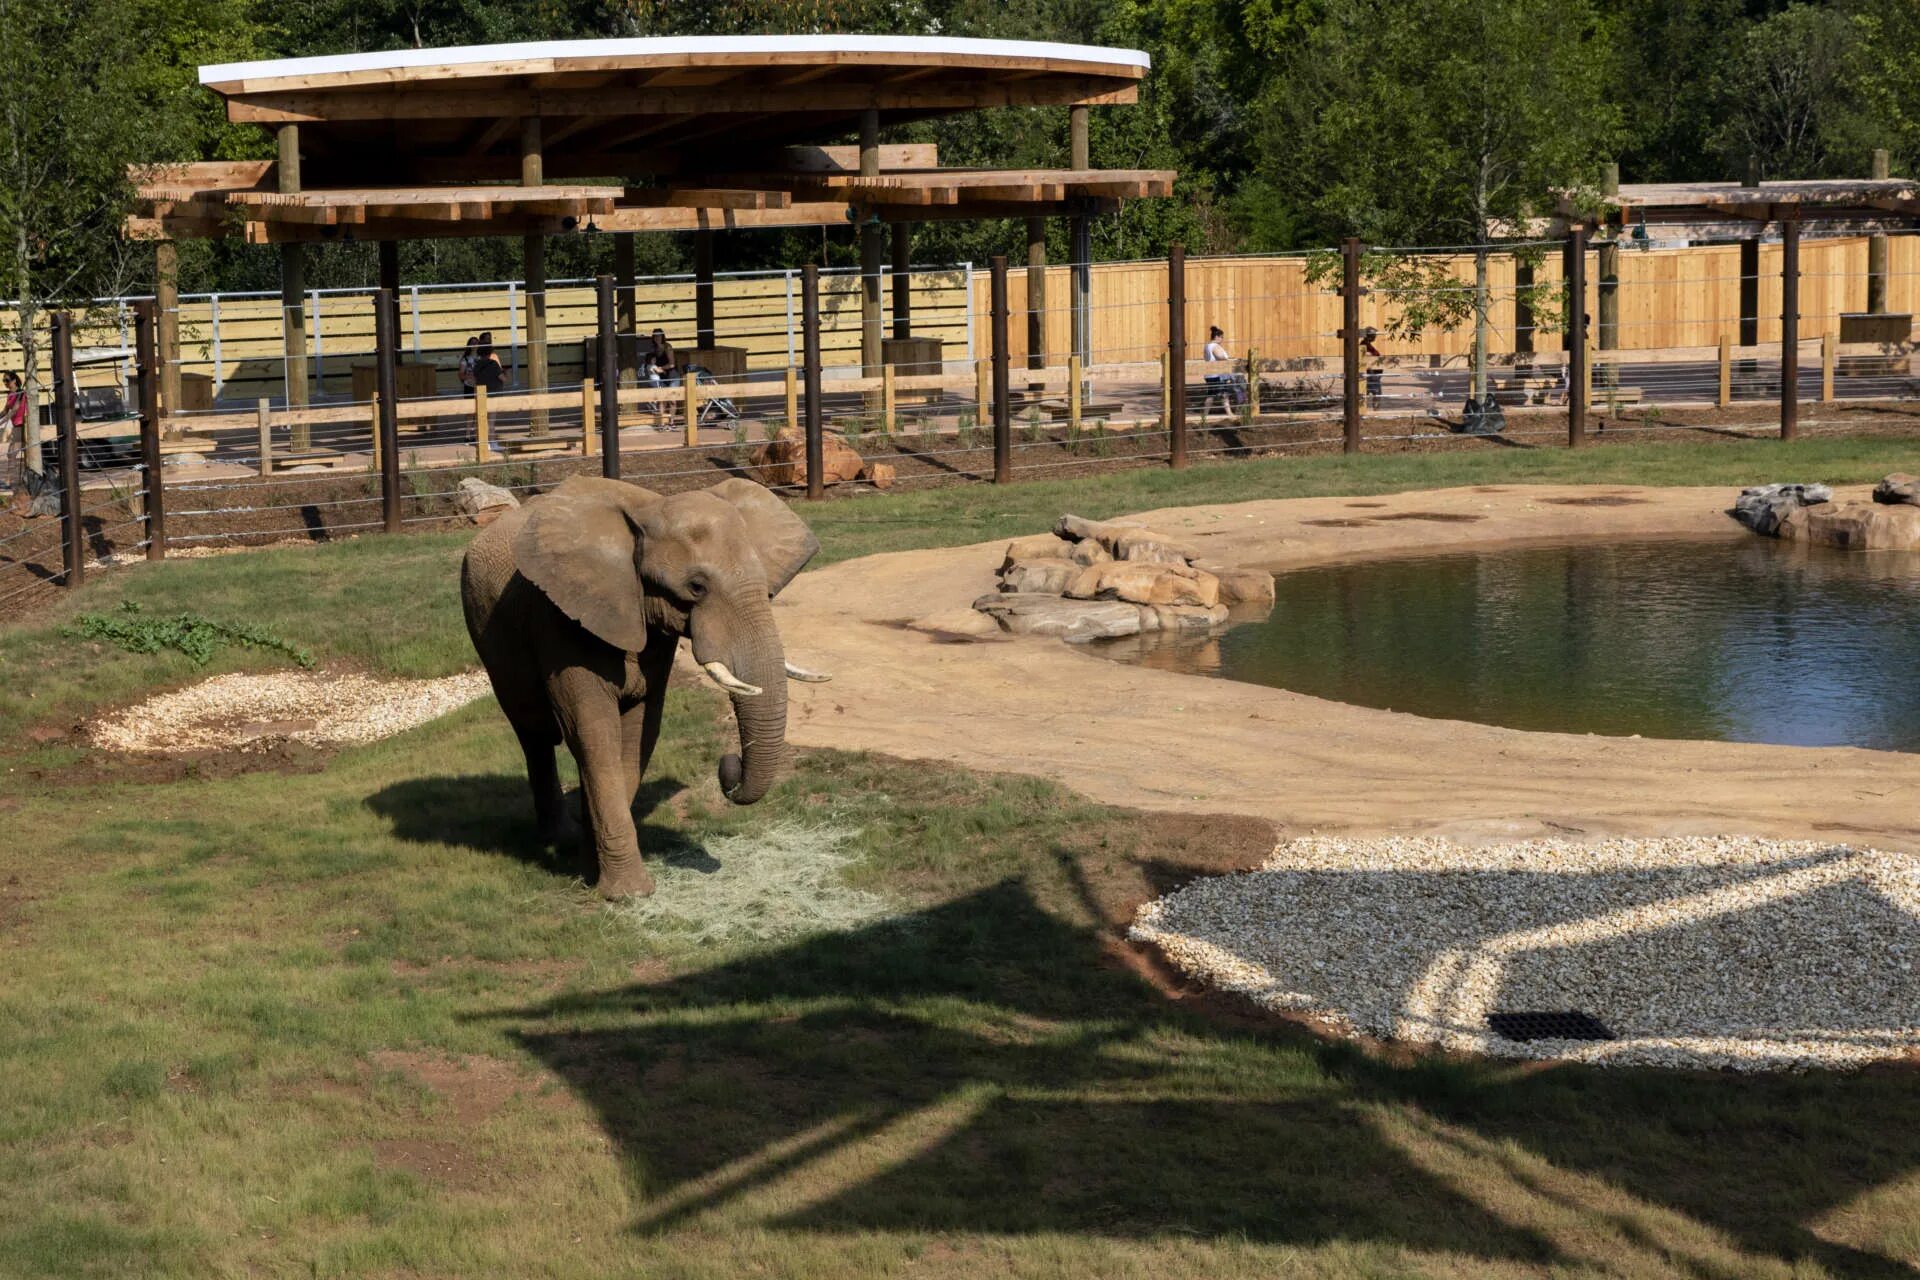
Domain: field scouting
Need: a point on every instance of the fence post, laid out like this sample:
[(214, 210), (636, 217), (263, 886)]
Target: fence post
[(887, 398), (1789, 328), (793, 398), (609, 381), (389, 408), (1177, 356), (691, 410), (66, 422), (1726, 371), (479, 424), (983, 390), (1074, 367), (373, 430), (263, 422), (810, 367), (587, 414), (1350, 342), (1002, 392), (149, 375), (1827, 357), (1253, 383), (1577, 377)]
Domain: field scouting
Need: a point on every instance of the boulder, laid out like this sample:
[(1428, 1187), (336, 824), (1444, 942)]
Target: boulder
[(1038, 546), (1185, 617), (967, 624), (1898, 489), (1089, 552), (481, 502), (1124, 540), (1855, 526), (1762, 507), (1241, 586), (1049, 577), (782, 460), (1145, 583), (1072, 620), (881, 475)]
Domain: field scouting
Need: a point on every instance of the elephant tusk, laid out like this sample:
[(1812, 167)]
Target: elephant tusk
[(718, 673), (805, 676)]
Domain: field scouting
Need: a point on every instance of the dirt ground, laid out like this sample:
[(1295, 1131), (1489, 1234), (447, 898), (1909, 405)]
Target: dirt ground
[(1157, 740)]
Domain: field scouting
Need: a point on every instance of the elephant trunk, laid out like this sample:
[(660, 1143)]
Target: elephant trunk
[(744, 640)]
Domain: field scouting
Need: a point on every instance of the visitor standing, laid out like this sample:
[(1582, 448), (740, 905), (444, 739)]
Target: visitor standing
[(660, 359), (1227, 383), (486, 366), (13, 432), (1376, 367), (468, 359)]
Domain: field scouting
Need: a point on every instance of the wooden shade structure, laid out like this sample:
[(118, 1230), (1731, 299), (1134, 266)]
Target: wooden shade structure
[(631, 135)]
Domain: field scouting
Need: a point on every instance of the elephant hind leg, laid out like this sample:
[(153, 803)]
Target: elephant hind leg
[(543, 775)]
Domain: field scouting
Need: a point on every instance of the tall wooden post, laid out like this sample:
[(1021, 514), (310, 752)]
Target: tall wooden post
[(166, 297), (872, 246), (704, 326), (1177, 356), (386, 338), (1350, 342), (609, 381), (390, 278), (1036, 298), (810, 371), (533, 252), (1877, 247), (1522, 308), (626, 313), (293, 275), (1080, 271), (66, 422), (1750, 292), (154, 509), (1577, 384), (1789, 327), (903, 280), (1609, 299), (1002, 391)]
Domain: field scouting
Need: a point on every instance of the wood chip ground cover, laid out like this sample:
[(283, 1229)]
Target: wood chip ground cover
[(241, 712), (1729, 952)]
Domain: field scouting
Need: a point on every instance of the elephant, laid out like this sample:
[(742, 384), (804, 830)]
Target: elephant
[(576, 603)]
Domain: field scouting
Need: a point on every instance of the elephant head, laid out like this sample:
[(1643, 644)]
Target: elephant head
[(624, 562)]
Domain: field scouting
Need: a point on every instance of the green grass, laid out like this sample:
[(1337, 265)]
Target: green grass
[(347, 1023)]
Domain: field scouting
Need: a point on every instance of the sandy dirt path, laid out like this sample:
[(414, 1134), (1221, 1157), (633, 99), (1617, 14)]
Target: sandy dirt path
[(1152, 739)]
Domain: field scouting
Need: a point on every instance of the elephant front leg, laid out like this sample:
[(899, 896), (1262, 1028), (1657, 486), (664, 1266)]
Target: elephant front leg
[(595, 735)]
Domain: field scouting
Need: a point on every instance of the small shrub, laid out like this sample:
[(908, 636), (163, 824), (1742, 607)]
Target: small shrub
[(197, 637)]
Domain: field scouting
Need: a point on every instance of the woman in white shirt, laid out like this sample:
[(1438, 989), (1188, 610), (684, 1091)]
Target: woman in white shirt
[(1228, 383)]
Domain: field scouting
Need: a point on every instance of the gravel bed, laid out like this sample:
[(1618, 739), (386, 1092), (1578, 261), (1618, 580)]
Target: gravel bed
[(1730, 951), (250, 712)]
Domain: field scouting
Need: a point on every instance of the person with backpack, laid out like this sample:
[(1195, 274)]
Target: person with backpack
[(468, 359)]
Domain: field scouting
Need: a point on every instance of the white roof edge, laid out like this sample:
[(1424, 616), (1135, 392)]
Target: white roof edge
[(396, 59)]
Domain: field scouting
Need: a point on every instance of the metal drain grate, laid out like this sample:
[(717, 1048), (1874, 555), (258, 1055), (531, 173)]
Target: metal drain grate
[(1556, 1024)]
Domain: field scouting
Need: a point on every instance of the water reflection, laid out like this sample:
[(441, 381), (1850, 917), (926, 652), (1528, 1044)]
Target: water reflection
[(1746, 641)]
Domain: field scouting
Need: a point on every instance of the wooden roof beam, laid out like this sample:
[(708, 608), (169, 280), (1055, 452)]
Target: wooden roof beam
[(492, 135), (418, 102), (704, 198)]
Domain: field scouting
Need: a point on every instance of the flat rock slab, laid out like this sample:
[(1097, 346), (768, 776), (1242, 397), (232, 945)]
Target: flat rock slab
[(1026, 614), (1855, 526)]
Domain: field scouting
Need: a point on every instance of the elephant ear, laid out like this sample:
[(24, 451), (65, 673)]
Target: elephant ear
[(781, 538), (578, 545)]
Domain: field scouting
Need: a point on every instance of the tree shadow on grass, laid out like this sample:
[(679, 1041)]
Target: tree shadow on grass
[(983, 1066), (493, 813)]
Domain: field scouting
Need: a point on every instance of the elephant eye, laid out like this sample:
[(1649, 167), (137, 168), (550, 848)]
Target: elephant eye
[(697, 587)]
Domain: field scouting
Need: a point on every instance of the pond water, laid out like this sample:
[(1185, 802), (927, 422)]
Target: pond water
[(1748, 641)]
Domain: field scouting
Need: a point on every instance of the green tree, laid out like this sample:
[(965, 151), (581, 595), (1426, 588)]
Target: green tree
[(1439, 122), (1801, 94)]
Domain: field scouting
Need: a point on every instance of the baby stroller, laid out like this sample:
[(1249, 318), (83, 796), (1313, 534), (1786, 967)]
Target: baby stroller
[(713, 407)]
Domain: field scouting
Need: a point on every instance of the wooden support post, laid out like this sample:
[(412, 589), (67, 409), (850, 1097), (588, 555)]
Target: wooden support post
[(1877, 247), (626, 312), (263, 426), (1726, 371), (386, 339), (373, 430), (887, 399), (589, 411), (1350, 341), (690, 386), (1074, 398), (1750, 293), (1579, 384), (1253, 383), (606, 308), (1522, 310), (154, 509), (1166, 391), (810, 367), (480, 424), (1002, 389), (793, 399), (983, 391), (533, 256), (872, 240), (1829, 345), (1609, 300), (1036, 299), (390, 278), (1789, 328), (1080, 268), (903, 279), (166, 297), (1177, 356), (67, 422), (293, 276), (705, 329)]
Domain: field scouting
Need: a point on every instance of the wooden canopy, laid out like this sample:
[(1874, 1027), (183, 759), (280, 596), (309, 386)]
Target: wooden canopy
[(630, 135)]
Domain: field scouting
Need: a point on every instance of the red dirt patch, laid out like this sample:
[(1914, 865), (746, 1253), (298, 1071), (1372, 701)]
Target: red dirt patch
[(1602, 500), (1440, 517), (442, 1164), (1335, 522)]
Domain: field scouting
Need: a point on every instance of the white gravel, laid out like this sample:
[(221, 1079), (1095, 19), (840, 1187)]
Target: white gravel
[(248, 712), (1728, 951)]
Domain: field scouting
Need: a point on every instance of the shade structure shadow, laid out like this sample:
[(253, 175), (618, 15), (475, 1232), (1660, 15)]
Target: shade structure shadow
[(493, 813)]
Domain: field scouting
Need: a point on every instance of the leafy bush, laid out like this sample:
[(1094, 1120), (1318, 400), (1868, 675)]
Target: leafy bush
[(189, 633)]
